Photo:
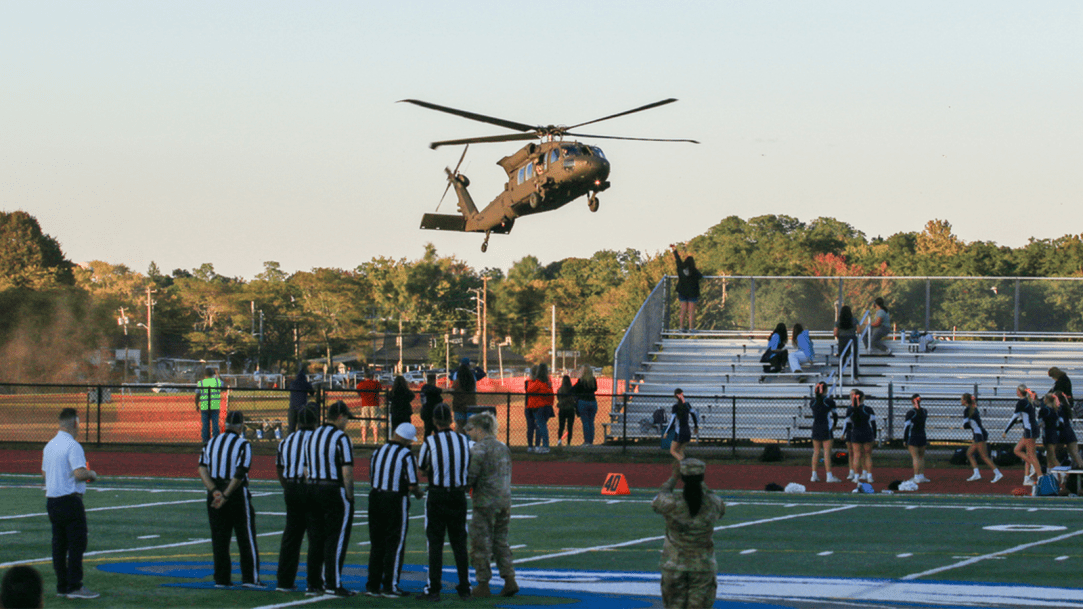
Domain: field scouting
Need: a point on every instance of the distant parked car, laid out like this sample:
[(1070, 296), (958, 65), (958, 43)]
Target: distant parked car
[(414, 376)]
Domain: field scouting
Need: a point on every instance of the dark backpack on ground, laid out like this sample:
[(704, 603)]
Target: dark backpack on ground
[(1047, 486), (958, 457), (771, 452)]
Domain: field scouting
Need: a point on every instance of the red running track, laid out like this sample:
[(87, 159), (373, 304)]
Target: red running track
[(555, 473)]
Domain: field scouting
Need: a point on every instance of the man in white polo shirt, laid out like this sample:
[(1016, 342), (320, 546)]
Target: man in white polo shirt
[(64, 466)]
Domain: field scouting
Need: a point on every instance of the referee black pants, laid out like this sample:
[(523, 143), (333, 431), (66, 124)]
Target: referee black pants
[(68, 517), (388, 524), (236, 516), (334, 521), (299, 522), (445, 511)]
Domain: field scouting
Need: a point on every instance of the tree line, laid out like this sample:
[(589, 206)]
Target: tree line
[(54, 312)]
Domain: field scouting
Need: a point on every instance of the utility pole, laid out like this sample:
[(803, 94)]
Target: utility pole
[(123, 321), (553, 342), (150, 334), (399, 369), (485, 324)]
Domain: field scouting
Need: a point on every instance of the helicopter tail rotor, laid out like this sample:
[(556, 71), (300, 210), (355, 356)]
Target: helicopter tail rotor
[(454, 175)]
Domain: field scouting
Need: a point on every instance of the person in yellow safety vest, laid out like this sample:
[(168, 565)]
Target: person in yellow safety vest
[(208, 402)]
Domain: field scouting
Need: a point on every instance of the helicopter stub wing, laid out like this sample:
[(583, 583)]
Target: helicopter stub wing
[(443, 222)]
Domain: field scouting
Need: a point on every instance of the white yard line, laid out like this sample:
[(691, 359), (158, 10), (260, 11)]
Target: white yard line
[(306, 601), (999, 554), (110, 508), (659, 537)]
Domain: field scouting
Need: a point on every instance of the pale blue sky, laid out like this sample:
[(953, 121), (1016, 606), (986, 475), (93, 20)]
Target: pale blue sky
[(235, 133)]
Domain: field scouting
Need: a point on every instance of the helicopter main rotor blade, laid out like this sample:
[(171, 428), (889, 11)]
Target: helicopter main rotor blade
[(511, 137), (472, 115), (639, 109), (636, 139)]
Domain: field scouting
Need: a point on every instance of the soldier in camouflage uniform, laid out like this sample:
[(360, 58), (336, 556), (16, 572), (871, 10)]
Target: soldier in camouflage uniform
[(489, 476), (689, 570)]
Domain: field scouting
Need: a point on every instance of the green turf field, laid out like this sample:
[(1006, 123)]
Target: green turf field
[(158, 527)]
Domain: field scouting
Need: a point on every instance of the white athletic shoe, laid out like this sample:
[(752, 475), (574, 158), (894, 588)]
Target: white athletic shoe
[(1028, 481), (83, 592), (974, 477), (815, 477), (832, 478), (868, 477), (852, 476), (921, 478), (996, 477)]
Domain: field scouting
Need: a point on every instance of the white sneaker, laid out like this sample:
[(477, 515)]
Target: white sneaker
[(852, 476), (1028, 481), (815, 477), (996, 477), (529, 449), (82, 593), (921, 478), (974, 477), (831, 478), (868, 477)]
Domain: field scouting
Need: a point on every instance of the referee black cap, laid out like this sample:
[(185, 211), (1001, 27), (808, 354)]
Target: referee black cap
[(235, 417), (307, 416), (338, 409), (441, 413)]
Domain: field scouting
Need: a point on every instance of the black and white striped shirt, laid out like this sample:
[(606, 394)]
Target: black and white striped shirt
[(393, 468), (446, 456), (291, 454), (328, 450), (227, 456)]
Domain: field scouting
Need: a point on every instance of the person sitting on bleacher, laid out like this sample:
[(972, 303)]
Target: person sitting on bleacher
[(776, 353), (804, 353)]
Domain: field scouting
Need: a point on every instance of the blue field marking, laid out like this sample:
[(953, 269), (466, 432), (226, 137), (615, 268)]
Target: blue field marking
[(639, 589)]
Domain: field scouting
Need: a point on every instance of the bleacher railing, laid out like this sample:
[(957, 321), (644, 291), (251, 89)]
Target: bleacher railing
[(644, 332)]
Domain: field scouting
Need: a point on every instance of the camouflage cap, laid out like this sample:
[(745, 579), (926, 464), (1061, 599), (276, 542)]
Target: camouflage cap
[(693, 467)]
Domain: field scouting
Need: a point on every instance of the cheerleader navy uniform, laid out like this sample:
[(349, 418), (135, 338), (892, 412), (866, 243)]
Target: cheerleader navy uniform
[(848, 428), (1024, 412), (973, 423), (1050, 424), (863, 420), (914, 430), (821, 430), (1067, 434), (679, 420)]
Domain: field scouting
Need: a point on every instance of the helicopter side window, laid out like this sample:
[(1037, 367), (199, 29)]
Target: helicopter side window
[(522, 170), (529, 171), (553, 156)]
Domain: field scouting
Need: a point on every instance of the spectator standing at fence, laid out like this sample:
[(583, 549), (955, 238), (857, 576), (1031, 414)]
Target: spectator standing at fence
[(775, 355), (445, 459), (300, 520), (682, 420), (1061, 382), (329, 461), (463, 392), (688, 278), (300, 391), (586, 389), (914, 437), (489, 477), (880, 328), (22, 588), (972, 421), (846, 334), (400, 400), (368, 388), (1026, 412), (566, 404), (824, 420), (1049, 414), (209, 402), (804, 353), (223, 468), (539, 405), (64, 466), (1067, 435), (689, 568), (864, 434), (431, 397), (393, 475)]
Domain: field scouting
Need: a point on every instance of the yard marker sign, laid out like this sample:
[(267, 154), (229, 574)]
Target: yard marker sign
[(615, 484)]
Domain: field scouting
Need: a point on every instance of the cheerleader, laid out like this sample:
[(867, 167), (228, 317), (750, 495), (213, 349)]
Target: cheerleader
[(1067, 434), (914, 437), (972, 421), (1026, 413), (682, 414), (848, 438), (1049, 414), (863, 435), (822, 439)]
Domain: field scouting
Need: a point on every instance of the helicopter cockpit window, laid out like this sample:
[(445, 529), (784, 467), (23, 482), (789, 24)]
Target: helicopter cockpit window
[(522, 171), (553, 156), (597, 152), (571, 151)]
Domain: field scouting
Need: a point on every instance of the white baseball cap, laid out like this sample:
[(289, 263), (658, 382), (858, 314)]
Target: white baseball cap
[(406, 431)]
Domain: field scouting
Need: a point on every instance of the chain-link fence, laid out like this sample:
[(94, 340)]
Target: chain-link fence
[(168, 415)]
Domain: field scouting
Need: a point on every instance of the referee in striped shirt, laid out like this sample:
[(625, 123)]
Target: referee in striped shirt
[(223, 467), (290, 465), (445, 459), (393, 473), (330, 476)]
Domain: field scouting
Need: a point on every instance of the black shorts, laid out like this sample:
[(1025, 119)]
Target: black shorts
[(1067, 435), (917, 439), (863, 436), (981, 437), (821, 433)]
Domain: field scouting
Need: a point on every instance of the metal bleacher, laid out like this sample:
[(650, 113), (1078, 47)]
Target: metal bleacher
[(721, 375)]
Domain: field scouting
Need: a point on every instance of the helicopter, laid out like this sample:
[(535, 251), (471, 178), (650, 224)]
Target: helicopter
[(542, 176)]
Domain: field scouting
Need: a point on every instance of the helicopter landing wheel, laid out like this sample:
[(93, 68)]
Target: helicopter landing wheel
[(534, 199), (485, 244), (592, 203)]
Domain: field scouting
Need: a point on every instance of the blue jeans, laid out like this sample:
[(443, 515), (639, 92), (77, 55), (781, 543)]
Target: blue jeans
[(587, 412), (537, 427), (210, 418)]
